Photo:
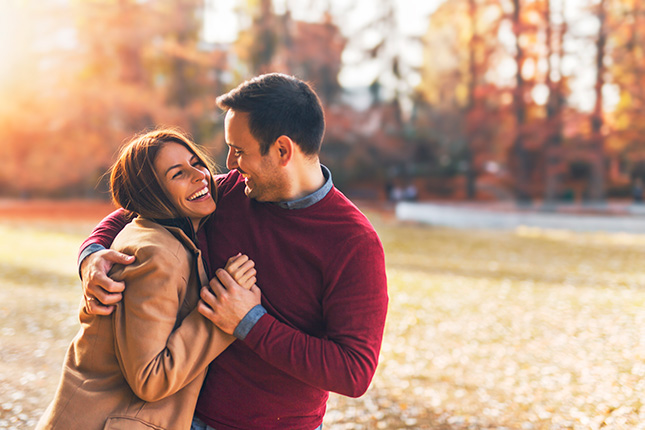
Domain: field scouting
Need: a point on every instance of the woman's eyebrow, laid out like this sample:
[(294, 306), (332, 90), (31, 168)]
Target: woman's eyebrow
[(172, 167)]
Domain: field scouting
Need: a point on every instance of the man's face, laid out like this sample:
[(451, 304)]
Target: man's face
[(263, 176)]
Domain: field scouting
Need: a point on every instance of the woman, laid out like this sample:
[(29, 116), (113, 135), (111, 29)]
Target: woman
[(143, 366)]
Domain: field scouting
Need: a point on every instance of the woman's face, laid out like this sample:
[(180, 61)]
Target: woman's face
[(187, 181)]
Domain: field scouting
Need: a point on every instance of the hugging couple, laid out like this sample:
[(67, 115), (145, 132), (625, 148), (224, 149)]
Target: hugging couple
[(235, 301)]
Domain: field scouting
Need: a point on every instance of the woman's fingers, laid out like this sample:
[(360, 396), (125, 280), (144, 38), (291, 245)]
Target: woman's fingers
[(242, 269), (247, 280), (236, 261)]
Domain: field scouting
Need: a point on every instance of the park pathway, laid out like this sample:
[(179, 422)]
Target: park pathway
[(616, 217)]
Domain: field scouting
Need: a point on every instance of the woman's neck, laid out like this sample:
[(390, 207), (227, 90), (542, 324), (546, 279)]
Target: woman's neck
[(196, 223)]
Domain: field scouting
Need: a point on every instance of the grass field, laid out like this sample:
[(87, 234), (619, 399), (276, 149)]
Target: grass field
[(525, 329)]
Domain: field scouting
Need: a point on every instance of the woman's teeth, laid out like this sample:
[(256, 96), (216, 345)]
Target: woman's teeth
[(199, 194)]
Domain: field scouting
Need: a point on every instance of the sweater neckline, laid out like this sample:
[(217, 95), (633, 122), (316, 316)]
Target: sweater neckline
[(295, 212)]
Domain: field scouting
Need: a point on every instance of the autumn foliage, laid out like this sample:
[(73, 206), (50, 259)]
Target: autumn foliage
[(530, 99)]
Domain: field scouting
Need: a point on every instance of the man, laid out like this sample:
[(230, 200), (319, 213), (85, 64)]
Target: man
[(320, 267)]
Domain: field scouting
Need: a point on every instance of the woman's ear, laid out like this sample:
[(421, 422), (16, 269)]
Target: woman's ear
[(285, 148)]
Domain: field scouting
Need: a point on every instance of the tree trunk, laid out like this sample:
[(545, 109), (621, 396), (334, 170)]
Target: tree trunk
[(554, 108), (471, 177), (597, 186), (519, 152)]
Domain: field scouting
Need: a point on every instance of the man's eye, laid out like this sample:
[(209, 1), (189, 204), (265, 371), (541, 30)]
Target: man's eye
[(238, 153)]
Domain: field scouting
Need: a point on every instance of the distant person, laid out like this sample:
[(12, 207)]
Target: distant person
[(319, 324), (143, 366), (397, 193), (388, 187), (637, 190), (411, 194)]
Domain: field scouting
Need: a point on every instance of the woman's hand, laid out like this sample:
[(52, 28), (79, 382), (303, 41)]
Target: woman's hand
[(242, 269)]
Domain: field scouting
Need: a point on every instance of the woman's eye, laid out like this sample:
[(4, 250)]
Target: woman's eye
[(176, 175)]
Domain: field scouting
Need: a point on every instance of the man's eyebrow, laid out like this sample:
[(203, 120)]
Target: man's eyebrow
[(233, 146)]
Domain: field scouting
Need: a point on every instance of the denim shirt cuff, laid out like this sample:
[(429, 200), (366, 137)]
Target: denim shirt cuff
[(87, 251), (249, 320)]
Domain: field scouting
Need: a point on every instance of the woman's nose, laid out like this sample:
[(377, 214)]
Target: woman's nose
[(198, 175)]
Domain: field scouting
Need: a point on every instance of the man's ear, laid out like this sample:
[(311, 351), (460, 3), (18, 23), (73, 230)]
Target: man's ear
[(285, 148)]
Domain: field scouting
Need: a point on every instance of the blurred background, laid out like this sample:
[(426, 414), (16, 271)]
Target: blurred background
[(525, 100), (465, 113)]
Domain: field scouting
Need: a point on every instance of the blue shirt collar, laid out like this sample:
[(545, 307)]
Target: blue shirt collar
[(313, 198)]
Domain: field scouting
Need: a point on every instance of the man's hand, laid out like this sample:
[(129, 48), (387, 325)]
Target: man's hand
[(101, 292), (228, 302), (242, 269)]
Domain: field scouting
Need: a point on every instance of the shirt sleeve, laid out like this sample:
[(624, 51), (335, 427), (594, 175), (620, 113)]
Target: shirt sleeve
[(87, 251), (103, 234), (249, 320), (156, 357), (354, 308)]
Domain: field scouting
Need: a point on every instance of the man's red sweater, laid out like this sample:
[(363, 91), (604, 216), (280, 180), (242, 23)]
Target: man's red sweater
[(322, 274)]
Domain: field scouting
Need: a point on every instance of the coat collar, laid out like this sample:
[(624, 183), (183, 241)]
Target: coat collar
[(184, 224), (182, 229)]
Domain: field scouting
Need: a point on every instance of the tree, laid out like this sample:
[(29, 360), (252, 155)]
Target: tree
[(390, 83), (257, 44), (279, 43), (91, 75), (597, 121), (520, 154), (470, 104), (556, 101), (625, 21)]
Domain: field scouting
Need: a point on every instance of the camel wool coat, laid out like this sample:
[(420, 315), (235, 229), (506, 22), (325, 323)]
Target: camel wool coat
[(143, 366)]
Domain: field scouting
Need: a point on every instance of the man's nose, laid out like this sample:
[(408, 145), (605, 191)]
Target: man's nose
[(231, 160)]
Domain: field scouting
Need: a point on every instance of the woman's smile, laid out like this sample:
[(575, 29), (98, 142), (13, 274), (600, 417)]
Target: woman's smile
[(199, 195)]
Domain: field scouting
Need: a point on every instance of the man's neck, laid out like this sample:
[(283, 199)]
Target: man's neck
[(306, 179)]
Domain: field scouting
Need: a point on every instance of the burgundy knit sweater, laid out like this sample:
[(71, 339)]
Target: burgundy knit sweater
[(322, 274)]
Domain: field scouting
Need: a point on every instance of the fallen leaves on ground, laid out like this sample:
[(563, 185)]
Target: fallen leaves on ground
[(525, 329)]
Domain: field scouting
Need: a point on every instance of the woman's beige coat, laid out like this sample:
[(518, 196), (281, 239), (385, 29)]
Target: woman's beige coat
[(143, 366)]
